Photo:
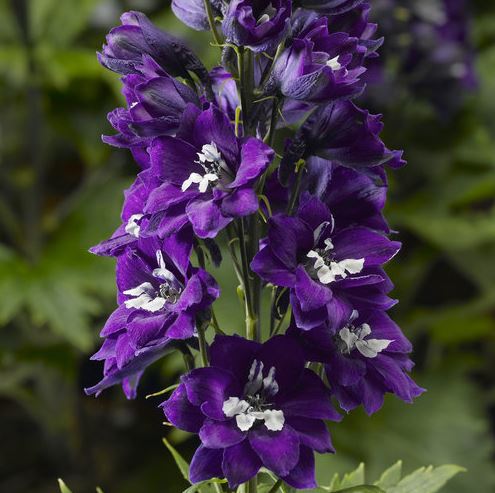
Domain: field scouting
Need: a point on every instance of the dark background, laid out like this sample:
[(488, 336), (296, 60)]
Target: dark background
[(61, 190)]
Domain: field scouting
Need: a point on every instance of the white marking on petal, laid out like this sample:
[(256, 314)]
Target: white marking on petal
[(274, 420), (162, 272), (317, 232), (334, 63), (233, 406), (245, 421), (353, 266), (154, 305), (193, 178), (355, 338), (132, 227), (145, 287), (270, 384)]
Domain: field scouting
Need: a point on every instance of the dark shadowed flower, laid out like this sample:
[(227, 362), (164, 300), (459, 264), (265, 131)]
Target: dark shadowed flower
[(255, 406), (355, 199), (205, 175), (343, 134), (365, 359), (318, 65), (131, 46), (225, 91), (328, 272), (257, 24), (331, 6), (160, 295)]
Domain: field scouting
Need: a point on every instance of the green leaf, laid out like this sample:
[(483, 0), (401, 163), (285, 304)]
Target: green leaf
[(63, 487), (198, 487), (179, 460), (354, 478), (426, 479), (391, 476), (363, 488)]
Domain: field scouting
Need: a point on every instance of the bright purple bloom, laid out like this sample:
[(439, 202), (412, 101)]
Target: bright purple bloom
[(329, 273), (255, 406), (204, 176), (259, 25), (128, 232), (318, 66), (131, 46), (154, 105), (365, 359), (160, 295)]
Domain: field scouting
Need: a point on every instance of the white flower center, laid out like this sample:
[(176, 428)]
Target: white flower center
[(356, 338), (132, 227), (253, 407), (147, 297), (334, 63), (214, 166), (328, 269)]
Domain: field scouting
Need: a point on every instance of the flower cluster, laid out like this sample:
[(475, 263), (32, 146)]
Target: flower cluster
[(302, 219)]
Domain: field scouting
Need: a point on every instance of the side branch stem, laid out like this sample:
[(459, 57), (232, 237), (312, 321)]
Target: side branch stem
[(211, 21)]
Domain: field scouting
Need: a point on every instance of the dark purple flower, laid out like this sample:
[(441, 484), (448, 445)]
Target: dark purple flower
[(138, 38), (355, 199), (329, 273), (205, 175), (160, 295), (225, 91), (343, 134), (257, 25), (254, 407), (365, 359), (154, 106), (318, 66), (331, 6)]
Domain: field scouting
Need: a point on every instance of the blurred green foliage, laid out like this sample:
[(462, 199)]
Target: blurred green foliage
[(61, 190)]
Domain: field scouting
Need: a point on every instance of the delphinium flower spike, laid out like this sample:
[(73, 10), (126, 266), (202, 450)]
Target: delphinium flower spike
[(299, 217)]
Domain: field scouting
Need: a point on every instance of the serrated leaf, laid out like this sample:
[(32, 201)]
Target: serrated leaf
[(426, 479), (391, 476), (353, 478), (182, 464), (63, 487)]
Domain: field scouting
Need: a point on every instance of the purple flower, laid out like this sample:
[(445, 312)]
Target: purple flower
[(154, 107), (329, 273), (160, 295), (137, 43), (225, 91), (354, 198), (365, 359), (318, 66), (205, 176), (128, 232), (193, 14), (343, 134), (254, 407), (258, 25)]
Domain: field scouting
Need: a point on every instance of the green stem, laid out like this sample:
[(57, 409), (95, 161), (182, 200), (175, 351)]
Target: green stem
[(250, 313), (276, 486), (202, 344), (252, 486), (211, 21), (296, 190)]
